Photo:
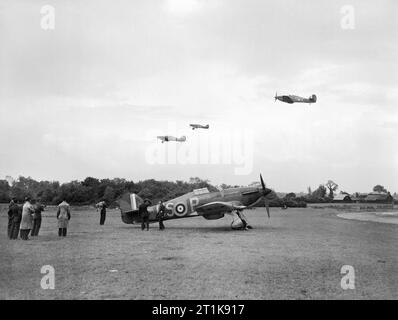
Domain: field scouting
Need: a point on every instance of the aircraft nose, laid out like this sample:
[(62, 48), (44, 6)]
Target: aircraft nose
[(265, 191)]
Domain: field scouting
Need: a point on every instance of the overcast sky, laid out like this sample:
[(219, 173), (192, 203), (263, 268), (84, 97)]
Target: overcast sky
[(89, 97)]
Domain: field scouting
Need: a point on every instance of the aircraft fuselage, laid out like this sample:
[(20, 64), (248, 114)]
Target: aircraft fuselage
[(296, 99), (199, 126), (171, 138), (184, 206)]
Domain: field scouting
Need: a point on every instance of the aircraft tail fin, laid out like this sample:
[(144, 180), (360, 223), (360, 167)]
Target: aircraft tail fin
[(313, 98), (128, 204)]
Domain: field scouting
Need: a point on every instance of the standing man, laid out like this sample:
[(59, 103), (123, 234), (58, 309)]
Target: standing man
[(160, 214), (102, 206), (63, 216), (144, 214), (27, 219), (10, 219), (16, 211), (37, 219)]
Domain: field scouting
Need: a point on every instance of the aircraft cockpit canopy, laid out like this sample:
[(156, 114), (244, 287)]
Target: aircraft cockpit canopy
[(200, 191)]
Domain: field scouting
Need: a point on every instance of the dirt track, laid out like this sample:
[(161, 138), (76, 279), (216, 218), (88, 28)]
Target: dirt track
[(297, 254)]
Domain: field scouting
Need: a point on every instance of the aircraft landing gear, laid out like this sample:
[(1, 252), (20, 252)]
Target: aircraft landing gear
[(243, 225)]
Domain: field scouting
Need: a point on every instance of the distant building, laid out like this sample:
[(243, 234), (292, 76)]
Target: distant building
[(379, 197), (342, 197)]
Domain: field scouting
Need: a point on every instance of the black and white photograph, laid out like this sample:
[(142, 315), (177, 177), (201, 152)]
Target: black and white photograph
[(198, 150)]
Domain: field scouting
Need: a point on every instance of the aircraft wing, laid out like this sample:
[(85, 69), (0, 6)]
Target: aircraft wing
[(290, 99), (218, 207), (163, 138)]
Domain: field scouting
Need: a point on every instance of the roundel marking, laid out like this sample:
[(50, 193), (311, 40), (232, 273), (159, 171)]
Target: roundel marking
[(180, 209)]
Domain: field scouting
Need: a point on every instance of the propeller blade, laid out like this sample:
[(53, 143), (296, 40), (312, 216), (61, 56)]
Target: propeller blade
[(262, 182), (266, 203), (266, 191)]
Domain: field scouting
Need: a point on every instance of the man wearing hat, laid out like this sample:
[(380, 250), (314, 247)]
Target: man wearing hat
[(144, 214), (27, 219), (160, 214)]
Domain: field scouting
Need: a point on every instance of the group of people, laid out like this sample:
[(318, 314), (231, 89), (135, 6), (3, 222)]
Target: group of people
[(26, 219), (144, 214)]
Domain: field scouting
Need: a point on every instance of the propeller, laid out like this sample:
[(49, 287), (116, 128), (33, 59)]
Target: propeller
[(266, 203), (266, 192), (276, 95)]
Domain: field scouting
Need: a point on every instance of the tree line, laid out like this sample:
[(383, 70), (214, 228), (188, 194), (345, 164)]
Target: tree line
[(91, 190)]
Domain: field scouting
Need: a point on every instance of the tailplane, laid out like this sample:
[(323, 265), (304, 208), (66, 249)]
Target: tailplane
[(313, 98), (128, 204)]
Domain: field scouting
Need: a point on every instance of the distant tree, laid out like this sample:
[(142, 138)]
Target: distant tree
[(91, 182), (320, 192), (18, 194), (75, 193), (309, 191), (90, 190), (196, 180), (27, 186), (146, 193), (290, 195), (4, 191), (332, 186), (379, 188), (109, 195), (48, 191)]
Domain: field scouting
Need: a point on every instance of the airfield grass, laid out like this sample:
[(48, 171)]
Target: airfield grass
[(297, 254)]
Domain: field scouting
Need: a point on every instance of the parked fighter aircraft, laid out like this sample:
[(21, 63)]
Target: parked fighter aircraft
[(201, 202), (171, 138), (293, 99), (199, 126)]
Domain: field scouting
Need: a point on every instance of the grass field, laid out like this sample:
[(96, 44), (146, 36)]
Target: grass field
[(297, 254)]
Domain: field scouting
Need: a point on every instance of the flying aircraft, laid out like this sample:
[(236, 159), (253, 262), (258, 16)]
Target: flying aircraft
[(293, 99), (199, 126), (201, 202), (171, 138)]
